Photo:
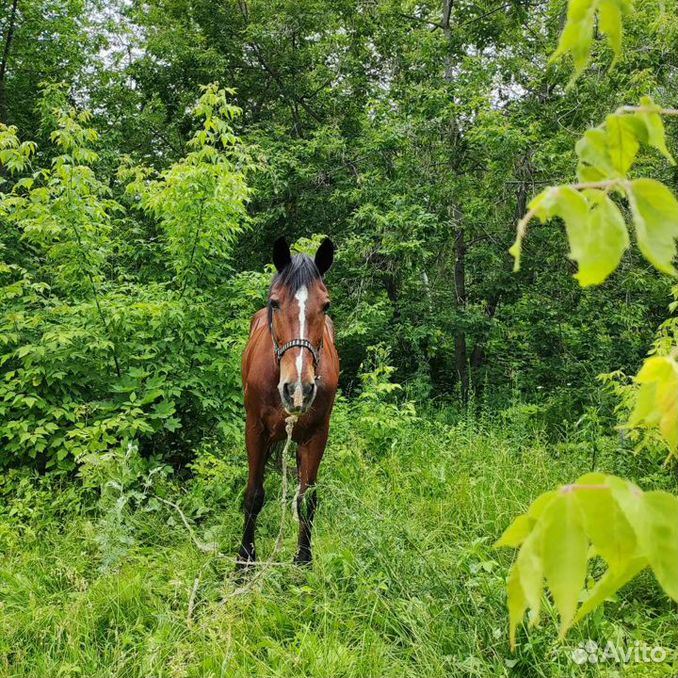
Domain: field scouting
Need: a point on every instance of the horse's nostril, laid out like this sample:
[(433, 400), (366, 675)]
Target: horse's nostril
[(296, 395)]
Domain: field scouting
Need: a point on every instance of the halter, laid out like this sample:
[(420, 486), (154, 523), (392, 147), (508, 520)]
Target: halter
[(294, 343)]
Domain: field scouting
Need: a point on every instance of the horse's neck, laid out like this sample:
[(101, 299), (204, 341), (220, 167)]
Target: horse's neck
[(328, 335), (260, 319)]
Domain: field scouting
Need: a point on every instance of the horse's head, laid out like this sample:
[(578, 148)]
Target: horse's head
[(298, 302)]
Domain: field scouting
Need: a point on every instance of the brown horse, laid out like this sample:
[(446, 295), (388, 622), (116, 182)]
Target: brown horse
[(290, 366)]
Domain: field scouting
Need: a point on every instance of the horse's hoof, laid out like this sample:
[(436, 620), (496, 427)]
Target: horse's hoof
[(244, 561), (303, 559)]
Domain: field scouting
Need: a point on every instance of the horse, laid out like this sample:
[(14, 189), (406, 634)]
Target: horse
[(290, 366)]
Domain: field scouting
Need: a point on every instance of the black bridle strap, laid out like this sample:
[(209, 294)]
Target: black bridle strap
[(294, 343), (300, 343)]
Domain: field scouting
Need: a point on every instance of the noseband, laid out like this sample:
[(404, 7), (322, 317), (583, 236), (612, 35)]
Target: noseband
[(294, 343)]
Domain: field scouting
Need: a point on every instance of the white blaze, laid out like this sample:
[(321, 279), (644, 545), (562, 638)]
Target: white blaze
[(301, 296)]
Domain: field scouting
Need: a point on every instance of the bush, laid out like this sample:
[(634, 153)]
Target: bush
[(98, 350)]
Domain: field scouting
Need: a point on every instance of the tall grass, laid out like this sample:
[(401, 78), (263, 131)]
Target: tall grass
[(405, 580)]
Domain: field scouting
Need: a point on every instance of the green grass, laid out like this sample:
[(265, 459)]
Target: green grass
[(405, 581)]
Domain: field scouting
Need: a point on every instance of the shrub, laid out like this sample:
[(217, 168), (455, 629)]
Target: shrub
[(97, 351)]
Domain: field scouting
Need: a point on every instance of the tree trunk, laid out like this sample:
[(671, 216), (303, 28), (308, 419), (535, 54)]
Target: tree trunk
[(478, 354), (446, 15), (460, 355), (446, 12), (11, 24)]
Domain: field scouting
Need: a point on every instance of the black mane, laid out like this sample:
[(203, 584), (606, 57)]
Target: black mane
[(300, 271)]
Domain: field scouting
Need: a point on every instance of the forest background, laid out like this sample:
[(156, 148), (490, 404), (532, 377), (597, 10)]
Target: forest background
[(151, 153)]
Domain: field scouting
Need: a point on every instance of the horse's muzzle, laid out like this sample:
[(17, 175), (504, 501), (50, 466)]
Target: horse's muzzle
[(297, 397)]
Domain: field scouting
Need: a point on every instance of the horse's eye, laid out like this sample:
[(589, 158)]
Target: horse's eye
[(326, 307), (275, 305)]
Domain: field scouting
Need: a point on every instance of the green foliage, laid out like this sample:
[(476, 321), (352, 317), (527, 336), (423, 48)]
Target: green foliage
[(656, 402), (577, 36), (562, 530), (655, 215), (199, 201), (596, 229), (45, 41), (132, 246), (391, 131), (377, 414), (97, 354), (125, 483)]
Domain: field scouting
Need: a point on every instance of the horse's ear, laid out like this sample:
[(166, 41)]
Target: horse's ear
[(324, 256), (281, 254)]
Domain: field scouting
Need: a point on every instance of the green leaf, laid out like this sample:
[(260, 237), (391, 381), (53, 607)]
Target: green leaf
[(516, 533), (526, 578), (530, 565), (595, 163), (598, 242), (661, 541), (655, 128), (622, 142), (577, 36), (596, 233), (610, 23), (609, 584), (656, 403), (541, 503), (564, 555), (613, 537), (655, 216), (571, 206), (517, 603)]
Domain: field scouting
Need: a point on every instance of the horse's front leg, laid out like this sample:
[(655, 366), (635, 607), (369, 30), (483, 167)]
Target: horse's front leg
[(308, 460), (254, 493)]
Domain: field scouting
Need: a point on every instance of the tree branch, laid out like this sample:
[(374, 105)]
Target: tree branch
[(5, 58)]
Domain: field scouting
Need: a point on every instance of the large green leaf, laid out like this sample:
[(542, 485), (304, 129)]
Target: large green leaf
[(517, 603), (622, 142), (661, 541), (564, 554), (526, 583), (655, 216), (656, 403), (516, 533), (598, 242), (595, 163), (609, 584), (572, 207), (654, 125), (654, 519), (530, 564), (576, 38), (613, 537), (595, 229), (610, 23)]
